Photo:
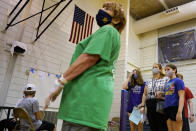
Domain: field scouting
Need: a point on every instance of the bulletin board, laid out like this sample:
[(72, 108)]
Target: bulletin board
[(44, 83)]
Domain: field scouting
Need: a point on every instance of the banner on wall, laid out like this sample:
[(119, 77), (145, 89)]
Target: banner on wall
[(177, 47)]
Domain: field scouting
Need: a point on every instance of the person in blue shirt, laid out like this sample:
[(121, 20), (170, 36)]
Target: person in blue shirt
[(174, 99), (135, 85)]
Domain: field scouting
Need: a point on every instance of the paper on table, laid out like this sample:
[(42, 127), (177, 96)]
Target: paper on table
[(135, 116)]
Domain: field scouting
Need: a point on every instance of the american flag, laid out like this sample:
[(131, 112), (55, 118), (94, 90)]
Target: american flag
[(82, 25)]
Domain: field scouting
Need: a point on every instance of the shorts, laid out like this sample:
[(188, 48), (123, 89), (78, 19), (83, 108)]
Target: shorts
[(46, 126), (170, 113)]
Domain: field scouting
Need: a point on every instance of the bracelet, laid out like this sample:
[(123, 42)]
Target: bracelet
[(63, 80)]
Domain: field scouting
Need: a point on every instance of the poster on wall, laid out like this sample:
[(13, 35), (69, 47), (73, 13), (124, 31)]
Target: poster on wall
[(177, 47)]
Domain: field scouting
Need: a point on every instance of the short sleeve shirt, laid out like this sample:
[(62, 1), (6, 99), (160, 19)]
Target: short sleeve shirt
[(31, 105), (135, 96), (154, 85), (171, 92), (87, 99)]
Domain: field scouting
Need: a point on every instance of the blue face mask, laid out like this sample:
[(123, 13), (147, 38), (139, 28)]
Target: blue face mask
[(135, 76), (103, 18)]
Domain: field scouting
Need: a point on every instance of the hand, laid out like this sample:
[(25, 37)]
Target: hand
[(159, 95), (191, 118), (13, 120), (52, 97), (140, 105), (142, 110), (179, 116)]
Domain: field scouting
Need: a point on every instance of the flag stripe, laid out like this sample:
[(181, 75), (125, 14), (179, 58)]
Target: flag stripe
[(72, 39), (89, 19), (81, 36), (78, 34), (85, 26), (91, 26), (71, 31), (75, 33)]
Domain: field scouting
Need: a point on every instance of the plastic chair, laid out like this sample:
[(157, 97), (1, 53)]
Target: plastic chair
[(21, 113)]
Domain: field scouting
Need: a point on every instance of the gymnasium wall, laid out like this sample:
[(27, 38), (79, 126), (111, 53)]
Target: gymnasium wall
[(133, 56)]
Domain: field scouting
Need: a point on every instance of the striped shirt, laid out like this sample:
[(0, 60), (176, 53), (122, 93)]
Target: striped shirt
[(154, 85)]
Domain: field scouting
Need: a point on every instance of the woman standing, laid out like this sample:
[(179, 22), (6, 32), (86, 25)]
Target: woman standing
[(135, 84), (153, 93), (174, 99), (88, 83)]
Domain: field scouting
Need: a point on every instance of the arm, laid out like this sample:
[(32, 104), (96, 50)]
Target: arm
[(144, 96), (180, 105), (83, 62), (141, 106), (125, 85), (35, 109), (160, 95), (37, 115), (190, 103), (181, 100)]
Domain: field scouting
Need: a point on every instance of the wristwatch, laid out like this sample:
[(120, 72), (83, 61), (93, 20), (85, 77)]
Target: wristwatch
[(192, 115)]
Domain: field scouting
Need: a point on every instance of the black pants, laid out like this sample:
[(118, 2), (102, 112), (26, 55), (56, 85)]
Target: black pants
[(185, 126), (7, 124), (156, 120), (46, 126)]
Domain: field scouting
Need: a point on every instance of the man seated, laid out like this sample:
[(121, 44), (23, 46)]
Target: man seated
[(31, 105)]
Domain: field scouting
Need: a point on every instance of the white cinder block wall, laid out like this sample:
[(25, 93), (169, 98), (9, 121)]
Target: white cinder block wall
[(52, 52), (134, 45)]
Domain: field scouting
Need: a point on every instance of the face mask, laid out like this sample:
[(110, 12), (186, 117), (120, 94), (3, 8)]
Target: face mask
[(155, 70), (103, 18), (169, 73), (135, 76)]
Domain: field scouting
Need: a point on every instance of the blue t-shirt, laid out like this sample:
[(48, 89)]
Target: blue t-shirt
[(135, 96), (171, 92)]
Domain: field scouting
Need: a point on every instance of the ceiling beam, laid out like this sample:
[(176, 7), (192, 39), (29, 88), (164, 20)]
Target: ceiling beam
[(164, 4)]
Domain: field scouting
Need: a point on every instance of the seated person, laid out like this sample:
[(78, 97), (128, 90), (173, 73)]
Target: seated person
[(31, 105)]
